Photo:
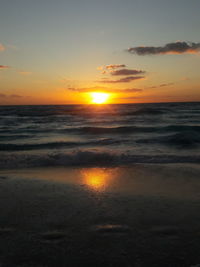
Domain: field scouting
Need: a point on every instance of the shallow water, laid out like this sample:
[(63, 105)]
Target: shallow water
[(139, 215), (176, 181)]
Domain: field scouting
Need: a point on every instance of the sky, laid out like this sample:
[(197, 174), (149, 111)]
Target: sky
[(58, 52)]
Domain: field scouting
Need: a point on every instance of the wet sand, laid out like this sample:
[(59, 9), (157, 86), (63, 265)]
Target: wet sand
[(143, 215)]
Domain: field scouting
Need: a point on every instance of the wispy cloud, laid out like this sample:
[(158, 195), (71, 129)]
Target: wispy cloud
[(2, 67), (129, 90), (2, 95), (105, 89), (115, 66), (161, 85), (170, 48), (11, 96), (87, 89), (15, 96), (166, 84), (25, 73), (2, 47), (142, 97), (126, 72), (110, 67), (79, 90), (124, 80), (12, 47)]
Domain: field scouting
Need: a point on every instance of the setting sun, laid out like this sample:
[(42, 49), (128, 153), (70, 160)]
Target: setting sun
[(99, 98)]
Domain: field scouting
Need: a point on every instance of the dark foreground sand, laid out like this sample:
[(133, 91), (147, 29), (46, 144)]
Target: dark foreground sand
[(143, 215)]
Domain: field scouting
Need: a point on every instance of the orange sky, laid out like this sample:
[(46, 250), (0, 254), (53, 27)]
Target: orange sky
[(58, 53)]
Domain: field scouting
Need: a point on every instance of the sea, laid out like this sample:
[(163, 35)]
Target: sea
[(99, 135)]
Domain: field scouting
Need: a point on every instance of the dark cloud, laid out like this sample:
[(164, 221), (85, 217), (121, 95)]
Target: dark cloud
[(15, 96), (86, 89), (170, 48), (114, 66), (124, 80), (126, 72), (129, 90), (2, 95), (166, 84), (12, 96), (4, 67), (150, 97), (104, 89), (161, 85), (129, 97), (111, 67), (78, 90)]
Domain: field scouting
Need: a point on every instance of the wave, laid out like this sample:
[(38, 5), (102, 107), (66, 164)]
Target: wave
[(83, 110), (58, 145), (111, 130), (14, 137), (94, 130), (87, 158), (132, 129), (48, 111), (187, 139), (149, 111)]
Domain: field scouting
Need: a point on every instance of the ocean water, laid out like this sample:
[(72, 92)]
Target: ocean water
[(96, 135)]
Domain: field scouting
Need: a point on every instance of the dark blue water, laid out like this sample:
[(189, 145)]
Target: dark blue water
[(32, 136)]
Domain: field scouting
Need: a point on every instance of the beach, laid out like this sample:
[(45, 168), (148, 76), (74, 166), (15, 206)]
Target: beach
[(136, 215), (99, 133), (107, 185)]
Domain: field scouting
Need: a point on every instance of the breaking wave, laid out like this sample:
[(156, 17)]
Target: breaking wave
[(57, 145), (101, 134), (87, 158), (187, 139)]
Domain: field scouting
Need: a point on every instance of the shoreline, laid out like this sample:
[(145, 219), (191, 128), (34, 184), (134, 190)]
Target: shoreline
[(81, 159), (127, 216)]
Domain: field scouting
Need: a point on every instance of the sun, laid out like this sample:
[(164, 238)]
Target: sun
[(99, 98)]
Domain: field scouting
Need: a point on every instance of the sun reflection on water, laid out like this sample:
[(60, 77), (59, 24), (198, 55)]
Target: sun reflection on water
[(97, 178)]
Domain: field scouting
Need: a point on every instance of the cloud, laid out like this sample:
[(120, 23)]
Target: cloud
[(161, 85), (12, 96), (124, 80), (87, 89), (126, 72), (103, 72), (131, 90), (2, 48), (15, 96), (105, 89), (185, 79), (100, 68), (13, 47), (111, 67), (129, 97), (150, 97), (24, 72), (115, 66), (170, 48), (78, 90), (2, 95), (166, 84), (2, 67)]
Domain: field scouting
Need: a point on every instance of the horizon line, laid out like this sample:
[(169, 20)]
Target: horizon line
[(105, 104)]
